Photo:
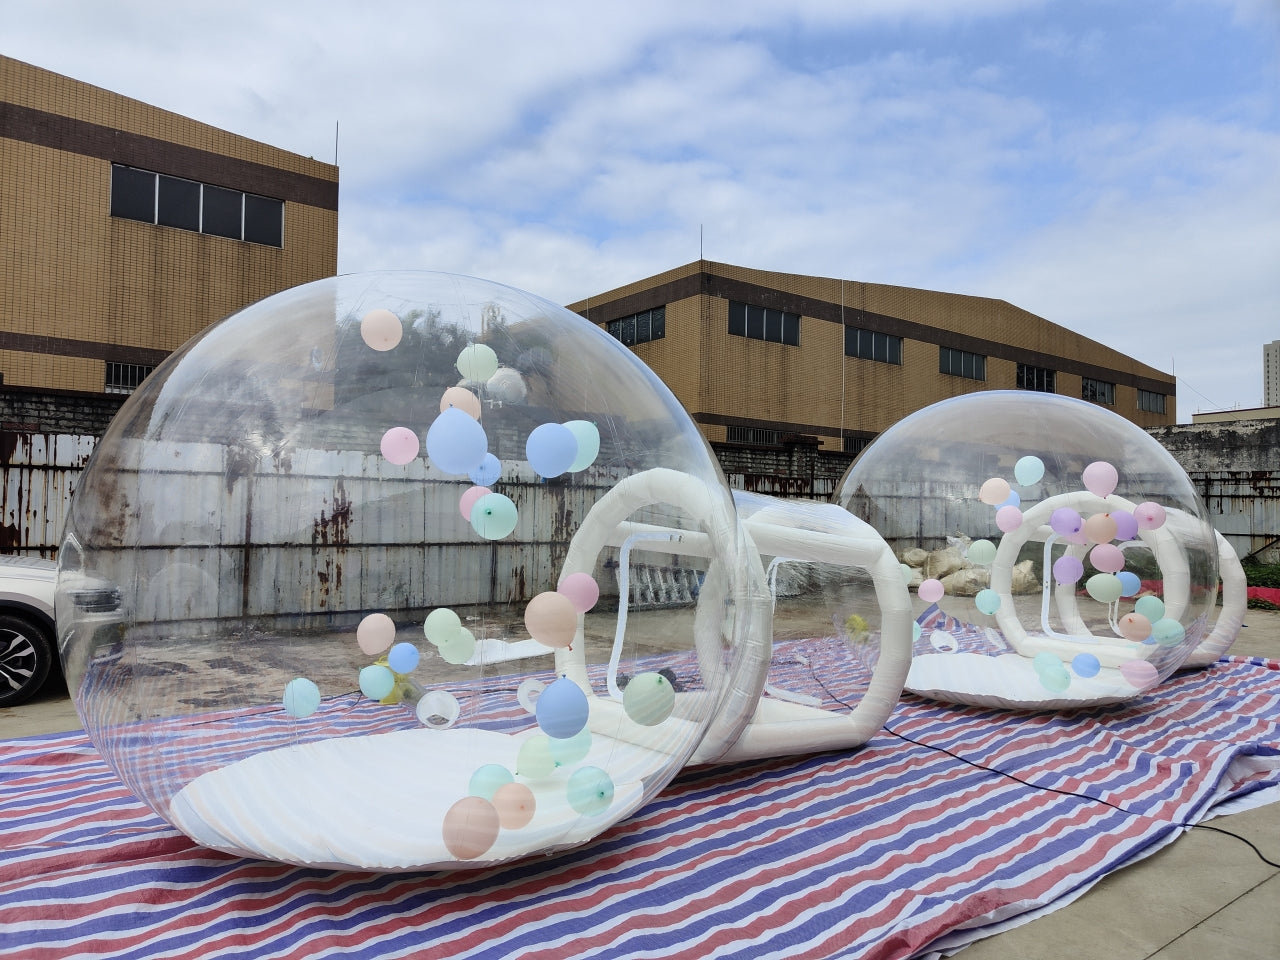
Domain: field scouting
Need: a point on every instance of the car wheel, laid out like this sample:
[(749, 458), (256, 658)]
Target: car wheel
[(26, 657)]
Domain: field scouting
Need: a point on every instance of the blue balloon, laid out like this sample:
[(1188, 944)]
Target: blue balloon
[(403, 657), (1085, 665), (487, 471), (561, 709), (1013, 500), (456, 442), (551, 449), (1130, 583)]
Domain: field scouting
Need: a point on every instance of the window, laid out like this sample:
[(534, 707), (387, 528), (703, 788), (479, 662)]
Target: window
[(125, 377), (640, 327), (764, 323), (757, 436), (199, 207), (1150, 401), (1098, 391), (856, 445), (872, 345), (961, 363), (1036, 378)]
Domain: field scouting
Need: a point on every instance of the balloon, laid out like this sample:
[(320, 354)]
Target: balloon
[(1085, 665), (1126, 524), (1012, 500), (1150, 516), (1135, 627), (376, 681), (1028, 470), (459, 648), (1100, 478), (381, 329), (551, 619), (301, 697), (534, 758), (375, 633), (403, 658), (590, 791), (581, 589), (994, 492), (486, 472), (1103, 587), (462, 399), (649, 699), (515, 804), (441, 625), (987, 601), (467, 502), (1168, 633), (438, 709), (916, 630), (930, 591), (1108, 558), (1008, 519), (906, 572), (507, 386), (470, 827), (477, 362), (1052, 672), (562, 709), (1129, 583), (528, 692), (1100, 528), (1150, 607), (400, 445), (455, 442), (1065, 522), (571, 750), (1067, 570), (551, 449), (981, 552), (493, 516), (588, 437), (1139, 673), (487, 779)]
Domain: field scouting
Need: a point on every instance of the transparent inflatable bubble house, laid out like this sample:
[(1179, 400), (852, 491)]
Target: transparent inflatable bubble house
[(341, 584), (1059, 556)]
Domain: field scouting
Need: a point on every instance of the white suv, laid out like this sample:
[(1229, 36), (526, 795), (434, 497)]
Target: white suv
[(27, 653)]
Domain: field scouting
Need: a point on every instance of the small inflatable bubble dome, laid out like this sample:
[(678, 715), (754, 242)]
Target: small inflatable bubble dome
[(1059, 556), (315, 602)]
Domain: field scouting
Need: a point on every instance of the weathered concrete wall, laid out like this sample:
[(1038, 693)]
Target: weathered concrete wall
[(795, 469)]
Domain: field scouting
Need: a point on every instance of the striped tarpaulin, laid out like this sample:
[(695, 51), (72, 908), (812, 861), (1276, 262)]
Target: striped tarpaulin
[(889, 851)]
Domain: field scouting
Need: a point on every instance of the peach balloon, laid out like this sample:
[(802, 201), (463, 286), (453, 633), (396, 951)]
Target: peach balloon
[(551, 619), (375, 633), (1100, 528), (463, 399), (1135, 627), (381, 329), (994, 492), (470, 827), (515, 804)]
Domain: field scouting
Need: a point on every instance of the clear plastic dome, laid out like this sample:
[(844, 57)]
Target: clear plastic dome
[(1059, 555), (325, 596)]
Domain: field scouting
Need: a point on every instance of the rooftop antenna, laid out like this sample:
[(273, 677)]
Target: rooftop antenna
[(335, 143), (699, 241)]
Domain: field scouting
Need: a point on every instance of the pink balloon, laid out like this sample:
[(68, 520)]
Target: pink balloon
[(581, 589), (930, 591), (1100, 528), (1140, 674), (1107, 557), (400, 445), (551, 619), (1100, 478), (994, 492), (469, 498), (1008, 518), (1135, 627), (1150, 516)]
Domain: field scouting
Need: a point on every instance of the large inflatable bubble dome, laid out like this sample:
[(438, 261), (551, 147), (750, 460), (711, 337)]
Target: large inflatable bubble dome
[(1060, 557), (329, 593)]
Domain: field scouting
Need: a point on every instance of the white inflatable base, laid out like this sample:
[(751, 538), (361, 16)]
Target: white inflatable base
[(1009, 682)]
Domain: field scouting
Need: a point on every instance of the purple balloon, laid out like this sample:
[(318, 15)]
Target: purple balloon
[(1068, 570), (1126, 524), (1066, 522)]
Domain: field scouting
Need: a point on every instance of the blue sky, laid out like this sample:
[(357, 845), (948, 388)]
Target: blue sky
[(1112, 166)]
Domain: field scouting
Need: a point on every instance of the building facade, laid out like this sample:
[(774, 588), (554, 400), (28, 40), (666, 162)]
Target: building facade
[(1271, 374), (760, 358), (126, 229)]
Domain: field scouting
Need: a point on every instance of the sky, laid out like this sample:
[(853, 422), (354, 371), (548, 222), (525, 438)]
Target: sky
[(1110, 165)]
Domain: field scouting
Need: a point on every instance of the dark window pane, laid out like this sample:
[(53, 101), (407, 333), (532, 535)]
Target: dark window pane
[(133, 194), (659, 323), (737, 318), (642, 328), (755, 322), (773, 326), (179, 203), (850, 341), (629, 331), (895, 350), (791, 329), (880, 347), (222, 212), (615, 329), (263, 220)]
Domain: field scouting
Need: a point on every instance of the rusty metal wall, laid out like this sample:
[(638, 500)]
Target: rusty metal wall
[(1244, 506), (38, 473)]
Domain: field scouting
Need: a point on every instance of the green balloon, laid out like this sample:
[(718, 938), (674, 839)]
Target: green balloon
[(1150, 607), (486, 780), (649, 699), (534, 759), (1028, 470), (441, 625), (1104, 587), (493, 516), (1168, 633), (588, 436), (590, 791), (459, 649), (1052, 672), (982, 552), (988, 601), (573, 749)]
